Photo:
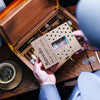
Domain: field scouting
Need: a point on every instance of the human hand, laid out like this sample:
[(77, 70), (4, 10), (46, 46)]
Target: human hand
[(83, 42), (44, 77)]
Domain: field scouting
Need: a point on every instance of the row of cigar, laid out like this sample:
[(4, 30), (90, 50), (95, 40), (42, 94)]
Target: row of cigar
[(31, 56), (61, 21)]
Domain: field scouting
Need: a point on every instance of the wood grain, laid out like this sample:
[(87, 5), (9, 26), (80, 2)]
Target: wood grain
[(95, 65), (25, 19), (72, 69), (28, 82)]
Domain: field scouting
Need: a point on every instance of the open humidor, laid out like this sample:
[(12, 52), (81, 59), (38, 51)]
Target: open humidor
[(32, 20)]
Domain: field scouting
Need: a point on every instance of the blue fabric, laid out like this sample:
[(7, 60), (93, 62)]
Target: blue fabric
[(75, 95), (49, 92), (87, 88)]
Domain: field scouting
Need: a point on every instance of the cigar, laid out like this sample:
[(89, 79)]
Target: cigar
[(32, 55), (32, 50), (49, 23), (29, 58), (27, 43)]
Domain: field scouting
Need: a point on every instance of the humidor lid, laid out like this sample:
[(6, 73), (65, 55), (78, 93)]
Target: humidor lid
[(18, 22)]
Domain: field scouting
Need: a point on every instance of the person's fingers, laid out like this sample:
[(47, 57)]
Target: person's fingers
[(37, 66), (36, 75), (81, 50), (37, 60), (78, 38), (53, 67), (78, 33), (40, 64)]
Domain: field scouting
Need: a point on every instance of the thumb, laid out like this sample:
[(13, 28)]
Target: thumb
[(40, 64), (36, 64)]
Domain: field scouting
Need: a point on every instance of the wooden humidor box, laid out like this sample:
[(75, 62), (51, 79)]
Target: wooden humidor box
[(27, 22)]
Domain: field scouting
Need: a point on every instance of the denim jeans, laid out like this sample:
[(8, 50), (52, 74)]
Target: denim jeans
[(50, 92)]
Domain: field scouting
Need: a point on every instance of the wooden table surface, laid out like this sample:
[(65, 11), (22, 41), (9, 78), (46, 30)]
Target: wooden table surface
[(68, 71)]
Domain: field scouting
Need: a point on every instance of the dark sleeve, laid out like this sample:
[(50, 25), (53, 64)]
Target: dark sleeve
[(49, 92)]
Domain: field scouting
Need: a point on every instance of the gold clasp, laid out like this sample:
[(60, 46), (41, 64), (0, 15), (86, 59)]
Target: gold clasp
[(24, 1), (12, 48), (58, 6)]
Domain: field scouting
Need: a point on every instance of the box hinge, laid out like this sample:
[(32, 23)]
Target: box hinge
[(58, 6), (12, 48)]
